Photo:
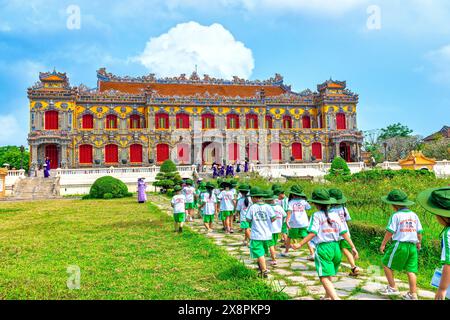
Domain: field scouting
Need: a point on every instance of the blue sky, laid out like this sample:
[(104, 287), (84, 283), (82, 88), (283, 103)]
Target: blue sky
[(401, 70)]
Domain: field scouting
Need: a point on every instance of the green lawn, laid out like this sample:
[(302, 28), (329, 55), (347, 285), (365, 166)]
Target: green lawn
[(124, 251)]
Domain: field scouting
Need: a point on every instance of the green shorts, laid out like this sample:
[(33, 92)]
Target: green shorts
[(297, 233), (328, 258), (284, 229), (179, 217), (343, 244), (190, 205), (259, 248), (274, 241), (245, 225), (401, 256), (225, 214), (208, 218)]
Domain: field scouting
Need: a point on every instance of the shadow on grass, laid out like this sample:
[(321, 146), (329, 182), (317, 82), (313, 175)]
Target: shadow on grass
[(3, 211)]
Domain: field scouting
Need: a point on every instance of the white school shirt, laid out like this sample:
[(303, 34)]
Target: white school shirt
[(404, 225), (278, 223), (189, 192), (260, 215), (324, 231), (344, 215), (241, 208), (179, 203), (284, 203), (209, 208), (445, 256), (226, 198), (299, 218)]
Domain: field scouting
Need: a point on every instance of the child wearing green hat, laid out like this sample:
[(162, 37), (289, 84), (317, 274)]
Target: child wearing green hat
[(437, 201), (189, 193), (405, 229), (276, 225), (326, 228), (208, 201), (198, 192), (261, 217), (242, 205), (282, 201), (178, 203), (297, 219), (340, 209), (227, 199)]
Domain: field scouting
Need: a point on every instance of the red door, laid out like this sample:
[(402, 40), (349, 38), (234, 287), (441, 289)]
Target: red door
[(297, 151), (317, 150), (252, 152), (275, 151), (111, 153), (51, 151), (162, 153), (136, 153), (233, 152), (86, 154)]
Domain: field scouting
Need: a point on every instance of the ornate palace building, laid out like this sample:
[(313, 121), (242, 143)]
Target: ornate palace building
[(143, 121)]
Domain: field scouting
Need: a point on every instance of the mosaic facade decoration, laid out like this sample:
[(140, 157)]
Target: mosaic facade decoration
[(142, 121)]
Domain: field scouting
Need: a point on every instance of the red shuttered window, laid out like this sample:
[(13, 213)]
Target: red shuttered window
[(251, 121), (208, 121), (232, 121), (269, 122), (86, 156), (317, 150), (88, 121), (182, 121), (162, 121), (111, 153), (306, 122), (340, 121), (297, 151), (184, 154), (287, 122), (135, 121), (111, 121), (136, 153), (51, 120)]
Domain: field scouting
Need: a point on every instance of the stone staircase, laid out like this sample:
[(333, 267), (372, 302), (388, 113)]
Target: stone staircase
[(36, 189)]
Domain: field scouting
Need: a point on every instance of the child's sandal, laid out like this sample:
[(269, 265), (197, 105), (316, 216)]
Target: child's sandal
[(355, 272)]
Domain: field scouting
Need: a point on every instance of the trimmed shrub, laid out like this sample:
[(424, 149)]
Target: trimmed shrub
[(107, 196), (168, 177), (339, 169), (108, 185)]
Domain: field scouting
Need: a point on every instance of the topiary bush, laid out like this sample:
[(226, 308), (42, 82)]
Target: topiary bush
[(339, 169), (108, 188), (168, 177)]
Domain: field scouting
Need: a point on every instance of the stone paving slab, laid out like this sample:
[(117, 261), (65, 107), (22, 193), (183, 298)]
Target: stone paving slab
[(295, 275)]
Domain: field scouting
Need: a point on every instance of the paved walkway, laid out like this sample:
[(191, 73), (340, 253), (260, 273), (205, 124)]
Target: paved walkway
[(295, 275)]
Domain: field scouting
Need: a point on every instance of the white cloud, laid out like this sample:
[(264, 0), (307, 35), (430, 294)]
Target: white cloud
[(212, 48), (440, 60)]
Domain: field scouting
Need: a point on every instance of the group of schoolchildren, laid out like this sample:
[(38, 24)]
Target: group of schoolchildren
[(269, 218)]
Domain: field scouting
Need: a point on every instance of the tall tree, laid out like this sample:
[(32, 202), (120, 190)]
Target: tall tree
[(11, 155), (395, 130)]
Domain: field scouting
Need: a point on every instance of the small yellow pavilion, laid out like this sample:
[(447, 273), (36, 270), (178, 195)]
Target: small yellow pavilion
[(416, 161)]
